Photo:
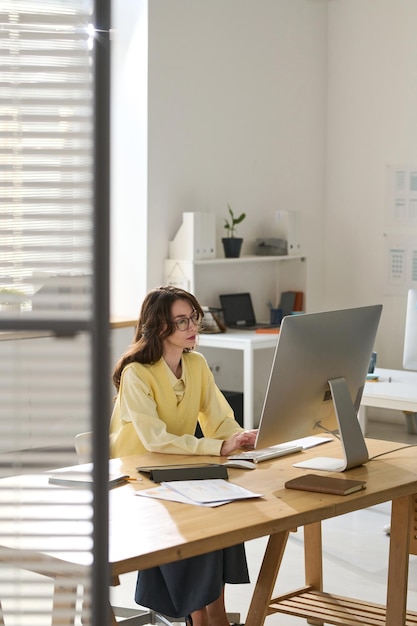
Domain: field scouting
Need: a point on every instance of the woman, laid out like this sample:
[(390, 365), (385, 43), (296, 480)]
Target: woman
[(164, 390)]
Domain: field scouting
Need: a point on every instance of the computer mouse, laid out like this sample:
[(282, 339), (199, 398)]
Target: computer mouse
[(240, 464)]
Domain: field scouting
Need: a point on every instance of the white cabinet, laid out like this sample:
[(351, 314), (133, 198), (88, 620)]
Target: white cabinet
[(265, 277)]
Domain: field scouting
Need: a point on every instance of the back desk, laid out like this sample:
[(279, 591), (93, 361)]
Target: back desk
[(146, 532), (395, 390)]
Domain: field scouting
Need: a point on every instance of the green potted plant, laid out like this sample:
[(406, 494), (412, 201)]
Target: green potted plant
[(11, 299), (232, 244)]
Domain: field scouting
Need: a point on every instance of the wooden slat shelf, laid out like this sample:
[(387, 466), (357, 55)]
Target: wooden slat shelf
[(319, 607)]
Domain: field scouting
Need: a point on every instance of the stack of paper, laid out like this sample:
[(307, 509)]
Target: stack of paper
[(208, 492)]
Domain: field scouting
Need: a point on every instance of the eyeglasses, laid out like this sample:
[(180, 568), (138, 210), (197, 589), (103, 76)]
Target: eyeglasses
[(184, 323)]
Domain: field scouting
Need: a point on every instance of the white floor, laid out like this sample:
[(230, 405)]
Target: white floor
[(355, 551)]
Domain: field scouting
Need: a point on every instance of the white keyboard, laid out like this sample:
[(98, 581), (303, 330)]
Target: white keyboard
[(282, 449), (257, 456)]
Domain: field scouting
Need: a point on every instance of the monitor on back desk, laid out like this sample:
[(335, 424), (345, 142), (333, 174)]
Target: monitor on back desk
[(410, 337), (238, 311), (316, 382)]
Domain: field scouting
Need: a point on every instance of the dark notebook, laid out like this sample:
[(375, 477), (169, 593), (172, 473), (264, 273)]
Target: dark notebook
[(197, 471), (326, 484)]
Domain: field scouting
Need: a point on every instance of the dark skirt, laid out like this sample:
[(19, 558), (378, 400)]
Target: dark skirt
[(177, 589)]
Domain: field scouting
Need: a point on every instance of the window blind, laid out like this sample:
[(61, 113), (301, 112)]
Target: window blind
[(46, 266), (46, 126)]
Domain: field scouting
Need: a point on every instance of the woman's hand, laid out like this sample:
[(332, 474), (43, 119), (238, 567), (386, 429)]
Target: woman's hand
[(244, 439)]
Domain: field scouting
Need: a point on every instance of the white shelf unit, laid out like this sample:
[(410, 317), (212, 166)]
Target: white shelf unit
[(265, 277)]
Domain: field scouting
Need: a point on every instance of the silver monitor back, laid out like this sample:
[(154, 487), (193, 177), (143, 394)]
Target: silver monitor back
[(317, 379)]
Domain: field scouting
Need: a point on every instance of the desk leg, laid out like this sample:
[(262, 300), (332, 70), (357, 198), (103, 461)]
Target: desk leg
[(411, 420), (65, 598), (313, 555), (86, 609), (1, 616), (313, 559), (398, 560), (262, 594)]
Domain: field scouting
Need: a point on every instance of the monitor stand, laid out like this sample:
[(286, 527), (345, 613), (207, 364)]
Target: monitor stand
[(351, 438)]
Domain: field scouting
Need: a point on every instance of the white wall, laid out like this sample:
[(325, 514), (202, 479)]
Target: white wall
[(266, 105), (372, 123), (237, 115), (129, 230)]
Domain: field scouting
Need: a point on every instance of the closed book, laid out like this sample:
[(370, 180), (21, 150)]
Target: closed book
[(196, 471), (81, 480), (326, 484), (298, 301), (287, 302)]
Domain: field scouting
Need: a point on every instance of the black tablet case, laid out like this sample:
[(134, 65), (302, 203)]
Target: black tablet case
[(197, 471)]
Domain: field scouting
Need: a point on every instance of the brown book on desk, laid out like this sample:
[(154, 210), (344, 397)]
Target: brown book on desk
[(326, 484)]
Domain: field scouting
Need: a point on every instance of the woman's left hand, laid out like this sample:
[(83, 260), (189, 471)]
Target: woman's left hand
[(245, 439)]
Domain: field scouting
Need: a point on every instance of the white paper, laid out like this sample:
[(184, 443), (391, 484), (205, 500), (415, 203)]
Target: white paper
[(161, 492), (210, 490), (400, 271), (401, 196)]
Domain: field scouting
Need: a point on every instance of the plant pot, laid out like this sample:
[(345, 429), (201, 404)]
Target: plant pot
[(9, 307), (232, 246)]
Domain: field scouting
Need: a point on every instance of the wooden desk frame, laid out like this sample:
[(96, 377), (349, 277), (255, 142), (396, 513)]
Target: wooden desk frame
[(393, 479), (309, 602), (318, 607)]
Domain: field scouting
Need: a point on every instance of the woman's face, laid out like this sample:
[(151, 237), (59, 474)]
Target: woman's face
[(182, 311)]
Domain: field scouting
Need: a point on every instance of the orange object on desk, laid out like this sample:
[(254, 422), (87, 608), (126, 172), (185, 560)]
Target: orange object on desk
[(267, 331)]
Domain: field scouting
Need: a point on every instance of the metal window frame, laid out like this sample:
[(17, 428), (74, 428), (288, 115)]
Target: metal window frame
[(98, 324)]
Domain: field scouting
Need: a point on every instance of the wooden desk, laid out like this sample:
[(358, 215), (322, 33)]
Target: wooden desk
[(395, 389), (172, 531), (247, 342)]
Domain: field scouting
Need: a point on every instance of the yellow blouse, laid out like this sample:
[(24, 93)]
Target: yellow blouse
[(156, 412)]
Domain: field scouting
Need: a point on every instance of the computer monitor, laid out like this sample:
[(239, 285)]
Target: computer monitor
[(410, 337), (316, 382)]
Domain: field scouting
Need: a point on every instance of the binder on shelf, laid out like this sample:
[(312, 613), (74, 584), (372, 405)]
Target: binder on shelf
[(291, 301), (178, 273), (287, 302), (298, 301), (196, 237), (288, 227)]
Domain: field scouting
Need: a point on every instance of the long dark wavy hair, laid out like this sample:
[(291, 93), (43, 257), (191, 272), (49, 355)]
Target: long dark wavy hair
[(154, 325)]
